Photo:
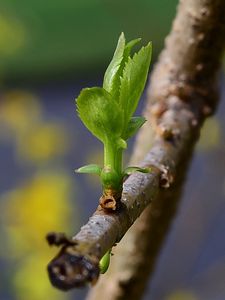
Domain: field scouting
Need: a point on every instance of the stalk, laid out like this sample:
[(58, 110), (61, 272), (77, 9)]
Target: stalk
[(111, 176), (119, 162), (109, 155)]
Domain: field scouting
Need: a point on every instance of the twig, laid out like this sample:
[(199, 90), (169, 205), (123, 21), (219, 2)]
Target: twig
[(77, 262)]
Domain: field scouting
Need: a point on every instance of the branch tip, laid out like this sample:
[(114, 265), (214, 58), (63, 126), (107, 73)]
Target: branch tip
[(70, 270)]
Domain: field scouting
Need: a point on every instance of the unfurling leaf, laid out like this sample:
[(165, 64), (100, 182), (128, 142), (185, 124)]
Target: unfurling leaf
[(112, 70), (128, 48), (90, 169), (100, 113), (131, 170), (133, 81), (134, 124)]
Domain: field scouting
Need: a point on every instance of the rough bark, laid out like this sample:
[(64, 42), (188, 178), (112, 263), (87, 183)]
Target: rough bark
[(182, 92)]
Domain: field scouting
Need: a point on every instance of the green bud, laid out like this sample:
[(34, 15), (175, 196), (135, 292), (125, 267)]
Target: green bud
[(110, 178), (104, 262)]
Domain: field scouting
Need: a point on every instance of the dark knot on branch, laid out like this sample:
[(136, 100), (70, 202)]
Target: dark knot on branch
[(70, 269)]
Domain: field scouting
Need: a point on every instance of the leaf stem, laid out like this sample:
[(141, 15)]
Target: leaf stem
[(112, 171), (109, 155), (119, 161)]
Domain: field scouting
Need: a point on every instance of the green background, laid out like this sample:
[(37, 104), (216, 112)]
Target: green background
[(54, 37)]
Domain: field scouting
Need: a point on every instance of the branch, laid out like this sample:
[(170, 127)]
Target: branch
[(182, 94), (77, 262)]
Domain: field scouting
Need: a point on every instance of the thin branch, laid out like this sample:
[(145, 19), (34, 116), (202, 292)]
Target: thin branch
[(77, 262), (182, 93)]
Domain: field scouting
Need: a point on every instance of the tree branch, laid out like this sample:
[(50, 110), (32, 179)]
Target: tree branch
[(182, 93)]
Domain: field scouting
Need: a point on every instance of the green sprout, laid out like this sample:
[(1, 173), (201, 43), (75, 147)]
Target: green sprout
[(104, 262), (108, 114)]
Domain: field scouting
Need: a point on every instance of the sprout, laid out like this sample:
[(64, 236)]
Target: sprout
[(108, 111)]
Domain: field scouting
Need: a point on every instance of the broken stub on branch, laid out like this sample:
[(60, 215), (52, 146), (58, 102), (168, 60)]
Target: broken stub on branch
[(70, 269)]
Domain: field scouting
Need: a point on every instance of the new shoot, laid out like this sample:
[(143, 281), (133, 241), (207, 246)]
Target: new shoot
[(107, 112)]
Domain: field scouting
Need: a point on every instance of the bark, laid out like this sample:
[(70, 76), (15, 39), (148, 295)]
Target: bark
[(182, 92)]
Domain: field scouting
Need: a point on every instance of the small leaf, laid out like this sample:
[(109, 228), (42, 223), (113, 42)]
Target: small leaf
[(104, 262), (100, 113), (111, 72), (133, 81), (114, 71), (134, 124), (116, 84), (131, 170), (128, 48), (90, 169)]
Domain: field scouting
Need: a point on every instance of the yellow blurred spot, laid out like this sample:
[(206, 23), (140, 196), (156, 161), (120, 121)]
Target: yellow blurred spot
[(19, 110), (36, 140), (182, 295), (42, 143), (31, 280), (13, 36), (40, 205), (210, 135)]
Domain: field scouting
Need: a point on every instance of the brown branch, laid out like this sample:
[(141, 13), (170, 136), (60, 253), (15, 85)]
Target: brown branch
[(182, 93), (77, 262)]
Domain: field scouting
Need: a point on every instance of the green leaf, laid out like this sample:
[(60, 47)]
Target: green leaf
[(111, 72), (90, 169), (114, 71), (134, 124), (128, 48), (131, 170), (133, 81), (104, 262), (100, 114), (116, 84)]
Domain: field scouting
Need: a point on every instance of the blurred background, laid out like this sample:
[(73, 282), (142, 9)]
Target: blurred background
[(49, 51)]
